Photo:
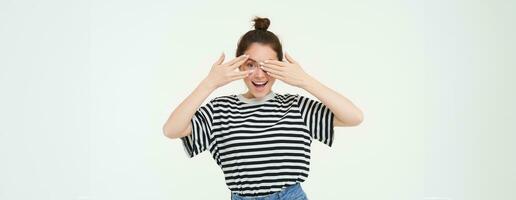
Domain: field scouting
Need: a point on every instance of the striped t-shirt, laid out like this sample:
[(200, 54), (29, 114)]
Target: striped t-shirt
[(261, 145)]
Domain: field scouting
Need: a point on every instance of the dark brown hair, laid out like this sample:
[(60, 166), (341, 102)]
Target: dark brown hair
[(261, 35)]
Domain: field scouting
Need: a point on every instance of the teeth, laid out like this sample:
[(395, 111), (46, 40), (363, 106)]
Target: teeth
[(259, 83)]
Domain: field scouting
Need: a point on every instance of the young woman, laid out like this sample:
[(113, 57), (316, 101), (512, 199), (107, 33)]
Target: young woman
[(260, 139)]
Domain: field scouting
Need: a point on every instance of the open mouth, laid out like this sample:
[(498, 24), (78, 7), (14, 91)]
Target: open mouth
[(259, 84)]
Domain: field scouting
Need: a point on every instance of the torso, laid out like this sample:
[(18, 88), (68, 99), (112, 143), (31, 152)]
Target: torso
[(262, 145)]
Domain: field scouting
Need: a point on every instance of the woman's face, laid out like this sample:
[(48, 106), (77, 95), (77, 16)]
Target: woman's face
[(259, 82)]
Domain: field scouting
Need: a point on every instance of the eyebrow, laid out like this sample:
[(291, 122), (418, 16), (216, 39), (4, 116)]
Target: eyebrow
[(251, 59), (255, 60)]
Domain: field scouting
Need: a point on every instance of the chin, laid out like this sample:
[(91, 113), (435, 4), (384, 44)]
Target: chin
[(260, 94), (259, 91)]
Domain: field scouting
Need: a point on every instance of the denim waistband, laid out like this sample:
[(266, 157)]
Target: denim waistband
[(296, 188)]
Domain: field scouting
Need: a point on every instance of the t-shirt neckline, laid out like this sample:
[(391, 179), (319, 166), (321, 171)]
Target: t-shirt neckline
[(264, 99)]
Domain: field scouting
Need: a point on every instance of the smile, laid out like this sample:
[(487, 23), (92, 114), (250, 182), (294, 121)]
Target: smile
[(259, 84)]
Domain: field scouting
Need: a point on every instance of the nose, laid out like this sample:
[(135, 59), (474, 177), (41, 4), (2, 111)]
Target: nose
[(258, 72)]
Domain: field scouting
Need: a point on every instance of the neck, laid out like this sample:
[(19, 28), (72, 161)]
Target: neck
[(251, 99), (250, 95)]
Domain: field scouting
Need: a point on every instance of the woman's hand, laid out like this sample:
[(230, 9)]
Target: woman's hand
[(346, 113), (222, 74), (289, 72), (179, 122)]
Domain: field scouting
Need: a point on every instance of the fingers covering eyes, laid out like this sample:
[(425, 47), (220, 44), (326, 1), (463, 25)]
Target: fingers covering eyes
[(275, 75), (239, 59), (240, 62), (270, 69), (239, 76)]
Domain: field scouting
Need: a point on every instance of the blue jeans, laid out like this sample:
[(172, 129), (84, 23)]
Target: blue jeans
[(293, 192)]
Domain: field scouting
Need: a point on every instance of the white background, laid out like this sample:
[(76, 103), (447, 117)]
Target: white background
[(86, 86)]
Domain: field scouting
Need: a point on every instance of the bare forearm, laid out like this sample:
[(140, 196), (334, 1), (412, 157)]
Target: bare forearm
[(345, 111), (346, 114), (179, 121)]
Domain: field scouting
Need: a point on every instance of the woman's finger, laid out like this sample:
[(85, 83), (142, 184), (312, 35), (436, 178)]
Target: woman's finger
[(242, 73), (276, 62), (238, 77), (275, 67), (289, 58), (238, 63), (273, 75), (275, 71), (220, 60), (231, 62)]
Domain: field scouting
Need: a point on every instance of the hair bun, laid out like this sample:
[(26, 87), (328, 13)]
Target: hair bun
[(261, 23)]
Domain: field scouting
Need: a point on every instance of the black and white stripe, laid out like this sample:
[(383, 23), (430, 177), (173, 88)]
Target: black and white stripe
[(261, 147)]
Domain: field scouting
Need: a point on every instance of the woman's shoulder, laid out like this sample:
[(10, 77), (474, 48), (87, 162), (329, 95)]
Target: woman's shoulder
[(294, 98), (286, 95), (225, 98), (287, 98)]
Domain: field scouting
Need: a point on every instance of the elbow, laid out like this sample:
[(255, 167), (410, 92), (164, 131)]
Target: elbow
[(174, 133), (165, 132), (350, 121), (168, 133), (360, 118)]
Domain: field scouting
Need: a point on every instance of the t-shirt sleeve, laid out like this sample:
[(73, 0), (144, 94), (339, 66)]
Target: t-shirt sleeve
[(318, 118), (201, 137)]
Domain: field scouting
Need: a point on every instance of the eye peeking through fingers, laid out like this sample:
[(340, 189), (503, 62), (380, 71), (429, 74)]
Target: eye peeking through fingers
[(250, 65)]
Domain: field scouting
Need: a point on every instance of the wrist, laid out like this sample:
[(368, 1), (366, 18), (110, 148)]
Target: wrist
[(207, 84), (309, 83)]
